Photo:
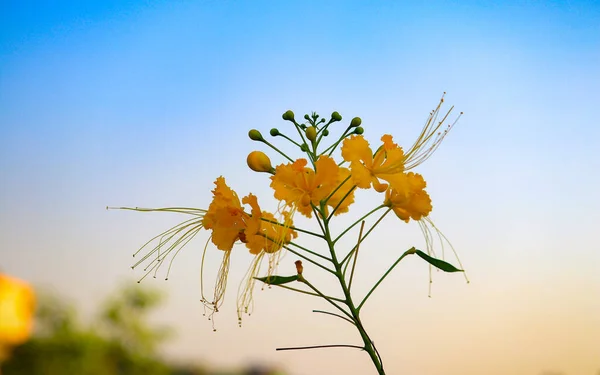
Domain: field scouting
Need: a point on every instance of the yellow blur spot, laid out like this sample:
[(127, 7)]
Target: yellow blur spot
[(17, 306)]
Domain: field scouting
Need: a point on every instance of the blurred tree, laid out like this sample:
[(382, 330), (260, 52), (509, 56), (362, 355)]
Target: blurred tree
[(122, 343), (124, 320)]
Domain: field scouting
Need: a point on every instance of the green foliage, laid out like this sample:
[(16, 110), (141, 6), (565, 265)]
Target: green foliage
[(119, 342), (277, 280), (444, 266)]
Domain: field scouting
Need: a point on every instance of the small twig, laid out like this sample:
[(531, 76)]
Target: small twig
[(362, 226), (306, 292), (322, 346), (334, 314)]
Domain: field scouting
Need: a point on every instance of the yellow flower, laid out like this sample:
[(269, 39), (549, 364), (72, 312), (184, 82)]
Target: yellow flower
[(300, 186), (225, 216), (367, 168), (264, 235), (408, 199), (17, 305), (263, 232), (390, 160)]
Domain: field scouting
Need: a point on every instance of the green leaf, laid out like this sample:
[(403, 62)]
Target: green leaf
[(277, 280), (444, 266)]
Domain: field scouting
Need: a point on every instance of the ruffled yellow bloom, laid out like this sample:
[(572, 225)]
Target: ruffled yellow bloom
[(263, 232), (390, 160), (259, 231), (264, 235), (17, 305), (368, 168), (300, 186), (225, 216), (408, 198)]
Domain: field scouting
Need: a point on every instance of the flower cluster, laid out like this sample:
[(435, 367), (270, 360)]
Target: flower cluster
[(319, 185), (314, 185)]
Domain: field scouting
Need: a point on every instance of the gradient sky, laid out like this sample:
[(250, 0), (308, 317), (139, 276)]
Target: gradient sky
[(145, 103)]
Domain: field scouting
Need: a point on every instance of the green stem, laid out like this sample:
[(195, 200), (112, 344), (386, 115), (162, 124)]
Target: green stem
[(362, 226), (369, 347), (289, 139), (322, 346), (407, 252), (356, 222), (278, 150), (292, 227), (308, 259), (333, 314), (309, 293), (333, 146), (336, 189), (363, 238), (309, 251), (330, 300), (340, 202)]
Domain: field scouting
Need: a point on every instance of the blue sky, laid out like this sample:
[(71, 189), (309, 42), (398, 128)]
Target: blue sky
[(146, 103)]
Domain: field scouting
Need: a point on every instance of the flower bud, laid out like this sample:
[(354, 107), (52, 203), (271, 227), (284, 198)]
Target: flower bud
[(274, 132), (355, 122), (359, 130), (325, 132), (306, 117), (259, 162), (255, 135), (304, 147), (311, 133), (288, 116), (335, 116)]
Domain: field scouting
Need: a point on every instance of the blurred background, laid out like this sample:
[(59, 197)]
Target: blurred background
[(145, 103)]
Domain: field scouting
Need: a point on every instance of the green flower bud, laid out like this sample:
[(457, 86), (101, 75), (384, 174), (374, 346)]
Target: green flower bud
[(304, 147), (355, 122), (311, 133), (288, 116), (359, 130), (335, 116), (306, 117), (325, 133), (255, 135), (274, 132)]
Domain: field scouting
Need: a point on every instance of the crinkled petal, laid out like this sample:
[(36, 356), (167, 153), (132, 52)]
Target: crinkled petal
[(356, 148)]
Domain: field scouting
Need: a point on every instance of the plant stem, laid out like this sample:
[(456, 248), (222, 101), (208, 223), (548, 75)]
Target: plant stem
[(369, 347), (407, 252), (322, 346)]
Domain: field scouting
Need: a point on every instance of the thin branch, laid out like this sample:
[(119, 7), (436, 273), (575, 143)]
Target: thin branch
[(306, 292), (407, 252), (308, 259), (302, 279), (322, 346), (362, 226), (310, 251), (292, 227), (334, 314)]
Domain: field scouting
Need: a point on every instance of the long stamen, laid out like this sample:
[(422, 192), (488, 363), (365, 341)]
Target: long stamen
[(245, 300), (430, 137)]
